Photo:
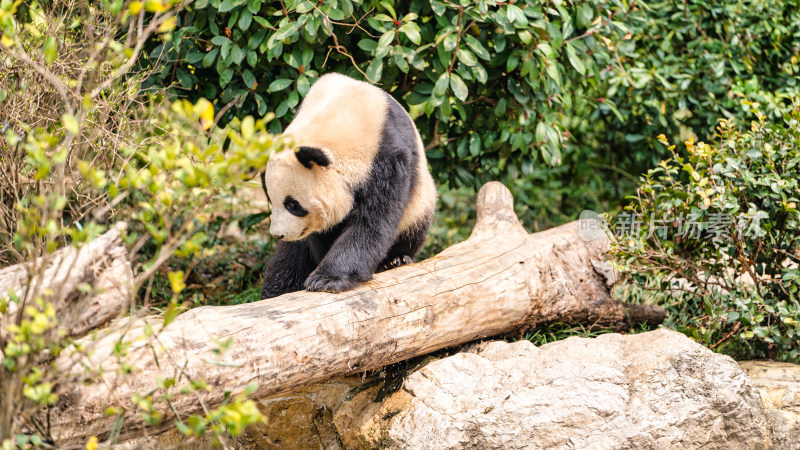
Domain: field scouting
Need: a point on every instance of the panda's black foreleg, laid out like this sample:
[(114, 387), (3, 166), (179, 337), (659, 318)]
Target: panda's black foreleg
[(370, 228), (289, 266)]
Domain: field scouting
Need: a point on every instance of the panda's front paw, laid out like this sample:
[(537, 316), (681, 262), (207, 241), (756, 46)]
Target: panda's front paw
[(322, 282)]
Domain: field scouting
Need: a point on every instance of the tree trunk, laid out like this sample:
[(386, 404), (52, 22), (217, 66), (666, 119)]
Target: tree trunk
[(500, 280)]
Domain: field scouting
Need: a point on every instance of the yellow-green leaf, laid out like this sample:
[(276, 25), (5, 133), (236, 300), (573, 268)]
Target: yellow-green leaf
[(70, 123), (248, 127), (176, 281)]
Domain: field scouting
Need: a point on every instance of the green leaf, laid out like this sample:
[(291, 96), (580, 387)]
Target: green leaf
[(388, 7), (574, 60), (184, 78), (411, 33), (245, 19), (283, 108), (219, 40), (516, 16), (279, 84), (585, 15), (440, 88), (438, 7), (228, 5), (466, 57), (254, 6), (375, 70), (237, 54), (512, 62), (401, 62), (480, 73), (308, 56), (195, 57), (256, 39), (458, 86), (225, 50), (386, 39), (368, 45), (449, 42), (304, 7), (210, 57), (303, 85), (285, 31), (50, 49), (225, 77), (477, 47), (249, 79), (253, 219)]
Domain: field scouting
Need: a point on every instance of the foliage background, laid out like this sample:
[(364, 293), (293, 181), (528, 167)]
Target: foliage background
[(562, 100)]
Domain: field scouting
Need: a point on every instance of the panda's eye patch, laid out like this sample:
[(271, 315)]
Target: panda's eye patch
[(294, 207)]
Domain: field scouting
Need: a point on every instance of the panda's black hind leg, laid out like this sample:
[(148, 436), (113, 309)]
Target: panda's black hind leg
[(404, 249)]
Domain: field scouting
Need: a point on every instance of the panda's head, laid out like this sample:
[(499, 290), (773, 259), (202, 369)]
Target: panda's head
[(306, 193)]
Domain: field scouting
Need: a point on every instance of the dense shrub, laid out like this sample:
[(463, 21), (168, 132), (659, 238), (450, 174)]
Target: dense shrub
[(690, 63), (561, 100), (719, 226), (494, 85)]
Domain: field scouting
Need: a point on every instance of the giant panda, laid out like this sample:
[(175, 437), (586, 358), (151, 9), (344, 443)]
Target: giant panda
[(353, 198)]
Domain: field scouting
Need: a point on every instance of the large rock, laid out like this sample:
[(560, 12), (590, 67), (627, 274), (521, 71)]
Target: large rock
[(651, 390), (778, 384)]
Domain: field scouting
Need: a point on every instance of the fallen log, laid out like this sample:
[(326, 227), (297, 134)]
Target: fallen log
[(88, 286), (500, 280)]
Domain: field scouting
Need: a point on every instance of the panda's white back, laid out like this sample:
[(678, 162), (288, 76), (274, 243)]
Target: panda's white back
[(345, 118)]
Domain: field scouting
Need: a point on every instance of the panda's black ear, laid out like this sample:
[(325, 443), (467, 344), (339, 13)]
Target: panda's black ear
[(308, 155)]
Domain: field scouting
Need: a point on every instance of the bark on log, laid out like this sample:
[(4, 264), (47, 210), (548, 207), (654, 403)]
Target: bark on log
[(499, 280), (102, 264)]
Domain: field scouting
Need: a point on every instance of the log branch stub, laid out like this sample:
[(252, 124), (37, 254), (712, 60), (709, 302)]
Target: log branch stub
[(495, 207), (495, 282)]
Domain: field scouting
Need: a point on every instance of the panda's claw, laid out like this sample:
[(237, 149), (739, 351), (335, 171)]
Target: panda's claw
[(397, 261), (320, 282)]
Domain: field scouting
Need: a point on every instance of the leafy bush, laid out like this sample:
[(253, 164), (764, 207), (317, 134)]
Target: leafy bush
[(561, 100), (720, 227), (81, 148), (495, 87), (688, 63)]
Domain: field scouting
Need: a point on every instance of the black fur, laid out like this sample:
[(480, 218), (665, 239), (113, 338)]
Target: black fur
[(308, 155), (367, 239), (289, 266), (294, 207)]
